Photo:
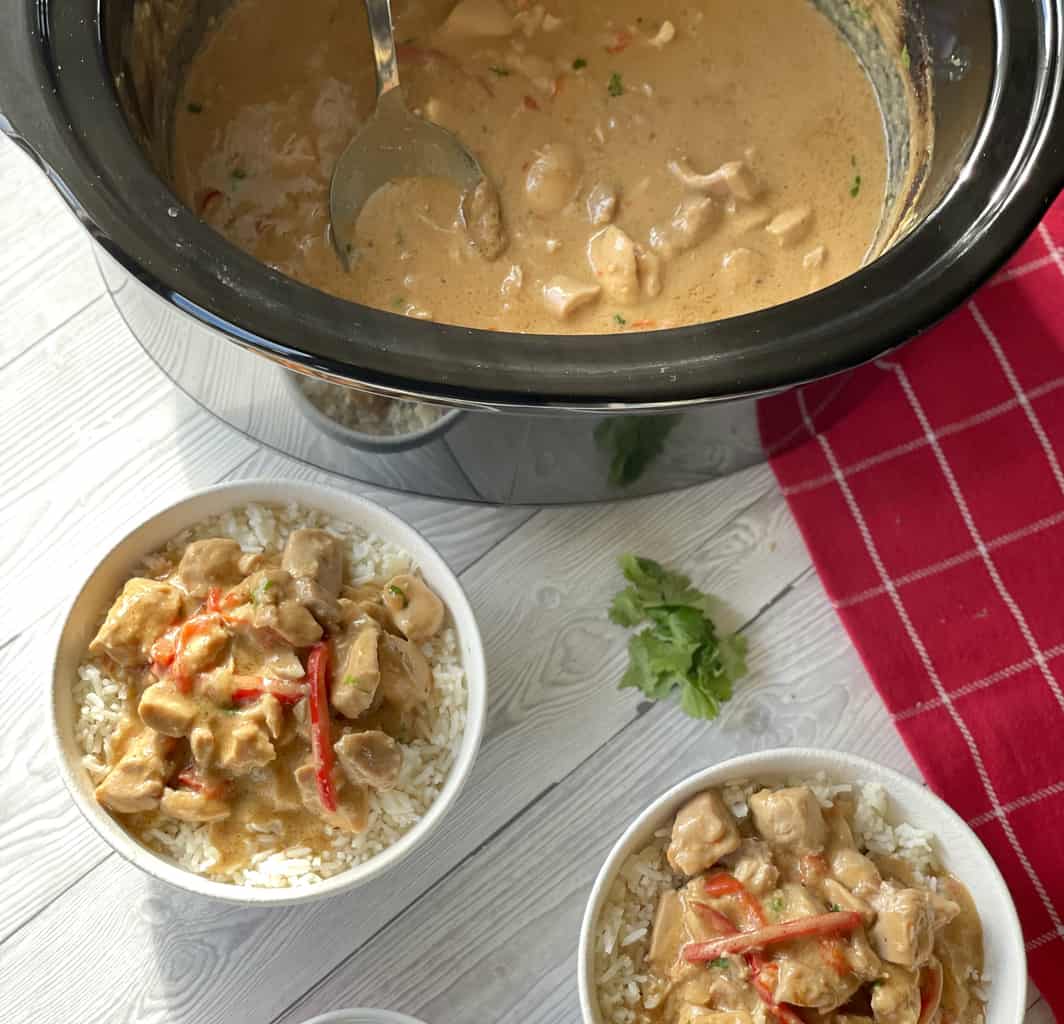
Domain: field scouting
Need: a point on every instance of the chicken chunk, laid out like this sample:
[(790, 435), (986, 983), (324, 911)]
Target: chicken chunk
[(563, 295), (855, 871), (370, 758), (836, 893), (416, 611), (791, 226), (896, 997), (242, 742), (209, 563), (406, 675), (667, 936), (553, 178), (141, 614), (733, 180), (904, 931), (815, 258), (201, 742), (165, 710), (691, 222), (189, 805), (703, 832), (271, 604), (137, 781), (315, 555), (318, 601), (482, 216), (742, 268), (352, 802), (479, 18), (205, 641), (649, 266), (257, 653), (356, 669), (752, 865), (612, 256), (790, 819), (601, 204)]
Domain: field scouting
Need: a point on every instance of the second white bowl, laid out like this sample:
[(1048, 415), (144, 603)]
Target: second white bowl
[(961, 853)]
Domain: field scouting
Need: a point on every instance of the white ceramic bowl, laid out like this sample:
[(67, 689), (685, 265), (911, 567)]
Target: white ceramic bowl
[(961, 853), (96, 593), (362, 1016)]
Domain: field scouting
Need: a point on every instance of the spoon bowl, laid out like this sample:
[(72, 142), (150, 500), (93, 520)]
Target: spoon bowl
[(393, 144)]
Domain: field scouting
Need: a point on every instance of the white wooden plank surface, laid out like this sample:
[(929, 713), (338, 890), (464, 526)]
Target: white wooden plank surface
[(481, 924)]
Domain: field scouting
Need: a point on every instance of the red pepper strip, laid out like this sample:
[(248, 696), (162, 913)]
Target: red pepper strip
[(207, 199), (530, 103), (724, 884), (251, 688), (715, 919), (756, 963), (185, 634), (779, 1010), (162, 651), (931, 984), (621, 41), (189, 778), (835, 923), (317, 664)]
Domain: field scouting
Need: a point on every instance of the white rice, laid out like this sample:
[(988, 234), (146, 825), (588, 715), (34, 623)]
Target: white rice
[(625, 988), (349, 409), (102, 701)]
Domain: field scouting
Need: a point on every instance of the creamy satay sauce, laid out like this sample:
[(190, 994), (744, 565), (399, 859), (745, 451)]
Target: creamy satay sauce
[(596, 122)]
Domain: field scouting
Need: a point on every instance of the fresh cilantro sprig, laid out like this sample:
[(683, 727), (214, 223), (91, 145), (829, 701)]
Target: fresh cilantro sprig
[(680, 647)]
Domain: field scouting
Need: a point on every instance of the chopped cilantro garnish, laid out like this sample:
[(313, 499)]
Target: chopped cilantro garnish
[(776, 904), (906, 60), (194, 108), (615, 86), (619, 319), (399, 593), (238, 174), (721, 961), (680, 647), (501, 72), (579, 63), (834, 907), (855, 188), (397, 302), (350, 681), (259, 593)]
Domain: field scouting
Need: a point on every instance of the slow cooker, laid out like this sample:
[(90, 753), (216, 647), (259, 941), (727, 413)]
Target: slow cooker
[(534, 418)]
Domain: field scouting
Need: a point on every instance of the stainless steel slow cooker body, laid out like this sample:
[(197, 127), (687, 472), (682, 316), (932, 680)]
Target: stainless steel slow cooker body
[(188, 295)]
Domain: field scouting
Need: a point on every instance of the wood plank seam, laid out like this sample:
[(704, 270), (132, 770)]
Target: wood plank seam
[(58, 327)]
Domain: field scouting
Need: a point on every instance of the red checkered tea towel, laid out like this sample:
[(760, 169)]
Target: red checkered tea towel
[(934, 510)]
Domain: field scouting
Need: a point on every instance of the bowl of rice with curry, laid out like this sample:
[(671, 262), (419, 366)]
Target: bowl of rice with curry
[(268, 692)]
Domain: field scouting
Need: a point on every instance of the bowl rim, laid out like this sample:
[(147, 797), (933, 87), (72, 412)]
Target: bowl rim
[(278, 492), (1000, 194), (799, 760), (362, 440), (368, 1013)]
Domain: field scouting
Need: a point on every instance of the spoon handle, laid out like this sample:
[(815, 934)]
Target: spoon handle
[(383, 35)]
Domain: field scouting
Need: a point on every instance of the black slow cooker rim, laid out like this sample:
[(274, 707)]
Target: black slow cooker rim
[(65, 84)]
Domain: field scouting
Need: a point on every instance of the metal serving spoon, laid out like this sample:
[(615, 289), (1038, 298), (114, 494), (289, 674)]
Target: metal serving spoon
[(392, 144)]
